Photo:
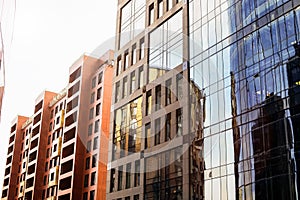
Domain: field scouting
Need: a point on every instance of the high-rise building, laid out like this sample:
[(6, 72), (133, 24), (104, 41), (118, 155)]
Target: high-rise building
[(205, 100), (243, 56), (61, 151)]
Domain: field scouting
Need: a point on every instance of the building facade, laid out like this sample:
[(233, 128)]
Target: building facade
[(205, 100), (243, 57), (63, 151)]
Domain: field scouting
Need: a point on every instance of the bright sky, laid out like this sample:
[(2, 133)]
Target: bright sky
[(49, 35)]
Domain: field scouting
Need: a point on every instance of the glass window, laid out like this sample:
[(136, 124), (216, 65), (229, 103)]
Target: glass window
[(168, 127), (85, 196), (169, 4), (97, 124), (100, 77), (133, 55), (92, 99), (160, 8), (94, 160), (90, 129), (179, 86), (141, 77), (148, 102), (120, 177), (168, 92), (128, 175), (88, 146), (157, 132), (93, 84), (165, 50), (119, 66), (86, 180), (142, 48), (92, 195), (91, 115), (125, 87), (132, 82), (93, 178), (87, 163), (137, 174), (147, 135), (126, 60), (95, 146), (158, 97), (151, 13), (99, 93), (117, 92), (179, 121), (98, 109)]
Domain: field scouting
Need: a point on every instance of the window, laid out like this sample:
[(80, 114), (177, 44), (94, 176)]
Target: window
[(136, 197), (90, 129), (98, 107), (93, 178), (169, 4), (100, 77), (160, 8), (91, 115), (92, 98), (112, 180), (126, 60), (148, 102), (151, 13), (92, 195), (120, 177), (127, 198), (165, 47), (128, 175), (95, 146), (88, 146), (94, 82), (179, 86), (142, 48), (99, 93), (50, 127), (118, 92), (125, 87), (52, 176), (55, 148), (133, 55), (96, 128), (179, 121), (157, 132), (141, 77), (85, 196), (45, 180), (119, 66), (87, 163), (137, 173), (168, 92), (168, 127), (49, 137), (147, 135), (132, 82), (132, 21), (86, 180), (94, 160), (158, 97)]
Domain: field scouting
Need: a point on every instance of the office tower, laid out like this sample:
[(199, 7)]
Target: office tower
[(244, 57), (149, 141), (205, 100), (61, 151)]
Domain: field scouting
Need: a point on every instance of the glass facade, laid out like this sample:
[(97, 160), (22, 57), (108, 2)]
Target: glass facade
[(244, 69)]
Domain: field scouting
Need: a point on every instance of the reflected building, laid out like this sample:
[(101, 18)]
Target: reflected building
[(244, 56)]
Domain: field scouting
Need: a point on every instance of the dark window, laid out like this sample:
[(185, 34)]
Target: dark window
[(86, 180), (87, 163)]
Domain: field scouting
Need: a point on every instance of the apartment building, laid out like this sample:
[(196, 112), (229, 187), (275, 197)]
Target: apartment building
[(63, 146)]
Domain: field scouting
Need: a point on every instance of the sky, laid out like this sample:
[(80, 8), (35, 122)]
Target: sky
[(48, 37)]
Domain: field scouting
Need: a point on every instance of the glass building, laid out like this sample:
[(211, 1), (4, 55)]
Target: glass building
[(244, 57), (206, 100)]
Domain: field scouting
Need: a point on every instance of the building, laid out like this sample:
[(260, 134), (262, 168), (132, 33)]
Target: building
[(243, 56), (149, 142), (63, 146), (205, 100)]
